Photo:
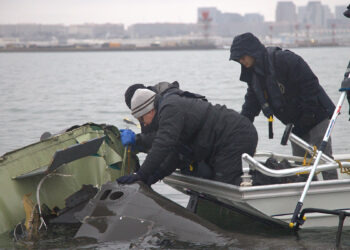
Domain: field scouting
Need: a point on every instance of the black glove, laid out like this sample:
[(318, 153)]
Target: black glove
[(128, 179)]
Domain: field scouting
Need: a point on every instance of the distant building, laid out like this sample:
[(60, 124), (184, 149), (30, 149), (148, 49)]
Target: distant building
[(313, 21), (82, 31), (211, 21), (286, 18), (147, 30), (254, 18), (339, 10), (225, 18), (99, 31), (327, 14), (108, 30), (314, 15), (339, 21), (302, 16), (286, 12), (33, 32)]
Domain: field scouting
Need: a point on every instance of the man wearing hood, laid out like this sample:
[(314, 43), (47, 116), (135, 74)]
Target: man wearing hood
[(212, 133), (281, 84)]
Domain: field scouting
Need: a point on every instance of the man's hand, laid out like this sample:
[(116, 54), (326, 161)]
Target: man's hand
[(128, 137), (128, 179)]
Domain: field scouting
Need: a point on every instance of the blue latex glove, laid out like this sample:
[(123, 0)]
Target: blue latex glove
[(128, 179), (128, 137)]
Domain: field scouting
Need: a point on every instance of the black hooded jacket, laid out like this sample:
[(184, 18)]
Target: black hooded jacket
[(194, 123), (282, 84)]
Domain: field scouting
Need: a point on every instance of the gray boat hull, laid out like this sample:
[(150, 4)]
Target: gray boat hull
[(272, 203)]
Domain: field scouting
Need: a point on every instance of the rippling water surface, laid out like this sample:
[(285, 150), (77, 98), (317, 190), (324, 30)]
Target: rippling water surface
[(52, 91)]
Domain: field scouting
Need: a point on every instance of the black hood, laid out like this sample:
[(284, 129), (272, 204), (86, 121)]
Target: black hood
[(248, 44)]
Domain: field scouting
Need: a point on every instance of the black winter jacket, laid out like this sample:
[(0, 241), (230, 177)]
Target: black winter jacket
[(282, 84), (193, 122)]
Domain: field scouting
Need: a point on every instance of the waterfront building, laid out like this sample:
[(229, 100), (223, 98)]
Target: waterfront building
[(286, 12)]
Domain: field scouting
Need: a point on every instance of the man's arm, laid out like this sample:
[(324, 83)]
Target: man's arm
[(144, 141), (170, 164), (250, 107)]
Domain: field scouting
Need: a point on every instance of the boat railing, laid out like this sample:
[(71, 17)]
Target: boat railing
[(307, 147), (278, 157), (249, 163)]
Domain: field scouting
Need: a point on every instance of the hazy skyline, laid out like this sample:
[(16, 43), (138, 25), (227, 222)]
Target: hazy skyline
[(131, 11)]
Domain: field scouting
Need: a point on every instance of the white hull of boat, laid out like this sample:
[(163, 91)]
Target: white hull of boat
[(273, 202)]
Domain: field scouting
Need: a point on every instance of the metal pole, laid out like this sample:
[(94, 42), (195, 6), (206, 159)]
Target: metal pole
[(319, 155)]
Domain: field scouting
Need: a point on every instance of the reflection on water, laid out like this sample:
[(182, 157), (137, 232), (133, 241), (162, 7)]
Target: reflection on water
[(61, 237)]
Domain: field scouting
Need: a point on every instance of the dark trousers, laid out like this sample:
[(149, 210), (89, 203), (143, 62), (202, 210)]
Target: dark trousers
[(315, 137), (227, 163)]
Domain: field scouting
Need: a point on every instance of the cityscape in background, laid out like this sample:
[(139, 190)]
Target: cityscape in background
[(295, 26)]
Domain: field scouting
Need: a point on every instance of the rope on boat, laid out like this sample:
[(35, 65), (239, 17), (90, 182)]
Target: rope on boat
[(308, 163), (312, 157), (343, 170)]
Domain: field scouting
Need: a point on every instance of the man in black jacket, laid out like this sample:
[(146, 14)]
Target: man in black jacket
[(213, 134), (281, 83), (143, 140)]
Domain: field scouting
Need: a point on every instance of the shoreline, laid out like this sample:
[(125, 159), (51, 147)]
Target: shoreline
[(148, 48), (102, 49)]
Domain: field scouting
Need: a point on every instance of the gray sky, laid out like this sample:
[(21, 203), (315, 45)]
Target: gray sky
[(131, 11)]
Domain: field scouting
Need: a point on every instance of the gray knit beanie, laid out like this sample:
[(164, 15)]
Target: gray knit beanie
[(142, 102)]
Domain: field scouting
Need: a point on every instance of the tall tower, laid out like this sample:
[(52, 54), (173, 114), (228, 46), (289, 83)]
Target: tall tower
[(205, 19)]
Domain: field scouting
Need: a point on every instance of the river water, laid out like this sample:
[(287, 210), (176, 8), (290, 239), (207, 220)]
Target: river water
[(52, 91)]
